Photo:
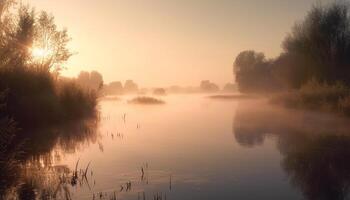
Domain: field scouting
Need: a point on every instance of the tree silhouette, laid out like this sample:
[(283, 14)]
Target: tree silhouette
[(319, 46)]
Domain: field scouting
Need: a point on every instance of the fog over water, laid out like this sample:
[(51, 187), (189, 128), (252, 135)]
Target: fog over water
[(195, 147)]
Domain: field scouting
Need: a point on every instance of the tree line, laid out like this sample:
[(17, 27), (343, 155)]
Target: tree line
[(317, 48)]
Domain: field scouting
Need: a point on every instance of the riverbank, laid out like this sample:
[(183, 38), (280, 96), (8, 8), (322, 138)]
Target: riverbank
[(314, 95)]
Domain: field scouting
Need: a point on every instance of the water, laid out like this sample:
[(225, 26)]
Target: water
[(194, 147)]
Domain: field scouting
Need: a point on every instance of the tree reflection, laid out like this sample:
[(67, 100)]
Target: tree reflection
[(35, 176), (248, 137), (315, 148), (320, 166)]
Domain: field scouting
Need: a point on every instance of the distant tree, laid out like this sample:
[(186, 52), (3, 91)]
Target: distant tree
[(114, 88), (253, 72), (159, 91), (96, 80), (130, 86), (207, 86), (90, 81)]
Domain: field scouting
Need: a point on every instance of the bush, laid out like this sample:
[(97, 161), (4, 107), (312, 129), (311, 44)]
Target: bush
[(315, 94), (36, 98), (75, 101), (318, 96), (159, 91), (146, 100), (31, 98)]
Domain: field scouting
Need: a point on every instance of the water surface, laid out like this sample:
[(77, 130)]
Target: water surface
[(194, 147)]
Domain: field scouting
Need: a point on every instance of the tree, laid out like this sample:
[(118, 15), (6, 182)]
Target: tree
[(96, 80), (130, 86), (253, 72), (90, 81), (31, 40), (115, 87), (207, 86), (17, 34), (159, 91), (51, 43), (319, 46)]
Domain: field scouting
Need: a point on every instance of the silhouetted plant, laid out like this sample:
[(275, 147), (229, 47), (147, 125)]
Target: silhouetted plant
[(319, 46), (32, 51)]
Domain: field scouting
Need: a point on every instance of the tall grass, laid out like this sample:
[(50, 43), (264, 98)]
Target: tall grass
[(316, 95), (75, 101), (36, 97)]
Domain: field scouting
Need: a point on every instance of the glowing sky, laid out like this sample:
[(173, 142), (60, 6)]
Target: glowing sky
[(163, 42)]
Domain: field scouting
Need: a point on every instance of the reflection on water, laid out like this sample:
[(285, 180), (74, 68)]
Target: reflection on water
[(184, 150), (315, 147), (35, 175)]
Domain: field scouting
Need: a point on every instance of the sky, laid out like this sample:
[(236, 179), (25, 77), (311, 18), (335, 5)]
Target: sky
[(159, 43)]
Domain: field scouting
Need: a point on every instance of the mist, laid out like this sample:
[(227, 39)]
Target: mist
[(174, 100)]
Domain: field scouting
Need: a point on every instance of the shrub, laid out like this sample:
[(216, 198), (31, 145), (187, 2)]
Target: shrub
[(75, 101), (146, 100), (36, 98), (31, 97), (317, 95)]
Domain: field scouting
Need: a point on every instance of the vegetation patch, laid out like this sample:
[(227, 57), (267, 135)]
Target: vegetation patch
[(146, 100), (315, 95), (32, 53)]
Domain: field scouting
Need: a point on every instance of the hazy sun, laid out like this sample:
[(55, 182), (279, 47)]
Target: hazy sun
[(40, 53)]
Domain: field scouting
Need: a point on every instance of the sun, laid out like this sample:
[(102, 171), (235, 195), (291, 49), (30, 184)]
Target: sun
[(40, 53)]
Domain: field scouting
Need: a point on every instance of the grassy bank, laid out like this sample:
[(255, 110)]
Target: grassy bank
[(315, 95)]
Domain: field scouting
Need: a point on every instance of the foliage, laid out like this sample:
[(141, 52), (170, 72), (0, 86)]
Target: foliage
[(317, 48), (32, 40), (113, 88), (130, 86), (207, 86), (52, 43), (318, 95), (159, 91), (75, 101), (9, 151), (90, 80), (253, 72), (32, 50)]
